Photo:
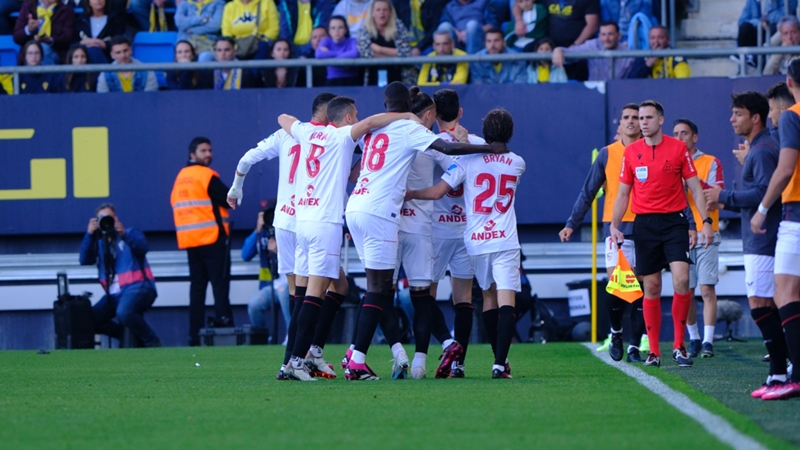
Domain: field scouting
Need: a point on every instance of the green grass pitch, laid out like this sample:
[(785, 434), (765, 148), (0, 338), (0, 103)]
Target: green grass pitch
[(561, 397)]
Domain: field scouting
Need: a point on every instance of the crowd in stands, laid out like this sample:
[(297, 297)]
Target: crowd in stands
[(50, 32), (769, 24)]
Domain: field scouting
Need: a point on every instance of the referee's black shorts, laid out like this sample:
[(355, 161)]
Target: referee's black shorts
[(660, 239)]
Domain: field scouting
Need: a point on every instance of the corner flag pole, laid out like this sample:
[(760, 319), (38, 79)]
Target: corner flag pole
[(594, 259)]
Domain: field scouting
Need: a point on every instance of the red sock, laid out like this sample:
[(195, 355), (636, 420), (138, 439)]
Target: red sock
[(680, 311), (651, 308)]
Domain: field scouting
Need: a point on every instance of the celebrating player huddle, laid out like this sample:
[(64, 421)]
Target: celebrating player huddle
[(390, 217)]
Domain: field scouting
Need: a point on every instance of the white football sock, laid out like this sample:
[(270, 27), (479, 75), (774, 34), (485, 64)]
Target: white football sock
[(397, 349), (694, 332), (708, 333), (447, 343), (352, 347), (358, 357), (315, 351), (496, 367), (419, 360)]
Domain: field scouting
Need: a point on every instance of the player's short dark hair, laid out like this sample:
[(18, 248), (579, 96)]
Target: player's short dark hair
[(609, 23), (780, 92), (119, 40), (754, 103), (338, 107), (498, 126), (227, 39), (793, 71), (447, 104), (396, 97), (420, 101), (682, 121), (632, 106), (196, 143), (320, 101), (652, 104), (494, 30)]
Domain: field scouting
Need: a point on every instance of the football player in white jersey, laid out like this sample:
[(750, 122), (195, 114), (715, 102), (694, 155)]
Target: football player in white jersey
[(490, 184), (326, 155), (449, 224), (373, 215), (416, 249), (282, 145)]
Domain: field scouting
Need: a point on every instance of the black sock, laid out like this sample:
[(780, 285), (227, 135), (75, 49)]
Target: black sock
[(291, 330), (463, 326), (506, 322), (637, 323), (439, 328), (368, 320), (306, 324), (390, 323), (330, 306), (770, 325), (490, 325), (422, 320), (790, 319), (358, 317), (616, 310)]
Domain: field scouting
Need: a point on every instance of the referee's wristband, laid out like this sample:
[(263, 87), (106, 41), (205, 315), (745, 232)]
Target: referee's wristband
[(762, 209)]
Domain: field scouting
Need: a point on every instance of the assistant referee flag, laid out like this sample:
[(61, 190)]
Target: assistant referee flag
[(623, 283)]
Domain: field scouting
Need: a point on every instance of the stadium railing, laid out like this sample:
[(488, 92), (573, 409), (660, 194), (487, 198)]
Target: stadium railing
[(309, 64)]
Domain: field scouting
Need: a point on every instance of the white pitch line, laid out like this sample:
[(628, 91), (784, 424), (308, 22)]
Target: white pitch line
[(714, 424)]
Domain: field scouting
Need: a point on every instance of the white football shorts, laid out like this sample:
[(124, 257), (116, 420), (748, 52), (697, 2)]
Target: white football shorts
[(319, 248), (452, 254), (375, 239), (501, 268), (759, 275), (787, 250), (628, 249), (416, 255), (287, 242)]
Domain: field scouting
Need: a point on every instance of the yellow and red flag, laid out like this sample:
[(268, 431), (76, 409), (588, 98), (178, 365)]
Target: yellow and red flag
[(623, 283)]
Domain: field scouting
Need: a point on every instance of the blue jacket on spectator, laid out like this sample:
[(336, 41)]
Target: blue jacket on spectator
[(458, 14), (287, 11), (256, 244), (131, 265), (187, 17), (775, 10), (38, 83), (510, 71)]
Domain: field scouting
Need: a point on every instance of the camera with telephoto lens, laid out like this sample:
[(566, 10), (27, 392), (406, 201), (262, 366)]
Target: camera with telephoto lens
[(269, 216), (106, 224)]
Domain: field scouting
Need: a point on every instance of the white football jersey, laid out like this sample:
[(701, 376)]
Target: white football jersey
[(326, 152), (415, 215), (279, 144), (490, 185), (449, 213), (388, 153)]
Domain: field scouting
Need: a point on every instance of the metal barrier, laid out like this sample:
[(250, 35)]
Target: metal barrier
[(309, 64)]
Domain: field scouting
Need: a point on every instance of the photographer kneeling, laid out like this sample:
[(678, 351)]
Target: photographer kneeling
[(124, 273)]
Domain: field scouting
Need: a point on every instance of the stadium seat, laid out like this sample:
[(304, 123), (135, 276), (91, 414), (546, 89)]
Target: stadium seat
[(155, 48), (8, 51)]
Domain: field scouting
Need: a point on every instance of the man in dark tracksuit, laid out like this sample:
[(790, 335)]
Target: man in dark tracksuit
[(749, 119)]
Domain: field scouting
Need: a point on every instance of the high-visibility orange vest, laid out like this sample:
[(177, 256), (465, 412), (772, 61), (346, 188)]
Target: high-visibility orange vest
[(792, 191), (613, 169), (192, 210), (703, 166)]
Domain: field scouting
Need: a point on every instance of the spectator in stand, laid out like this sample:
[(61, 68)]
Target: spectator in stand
[(95, 28), (421, 18), (498, 73), (280, 77), (77, 55), (299, 19), (339, 44), (318, 73), (622, 12), (48, 22), (35, 83), (669, 67), (200, 23), (227, 79), (467, 22), (789, 29), (384, 35), (572, 22), (8, 7), (122, 81), (751, 22), (355, 11), (144, 10), (599, 69), (543, 71), (529, 23), (444, 74), (239, 22), (181, 80), (272, 291)]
